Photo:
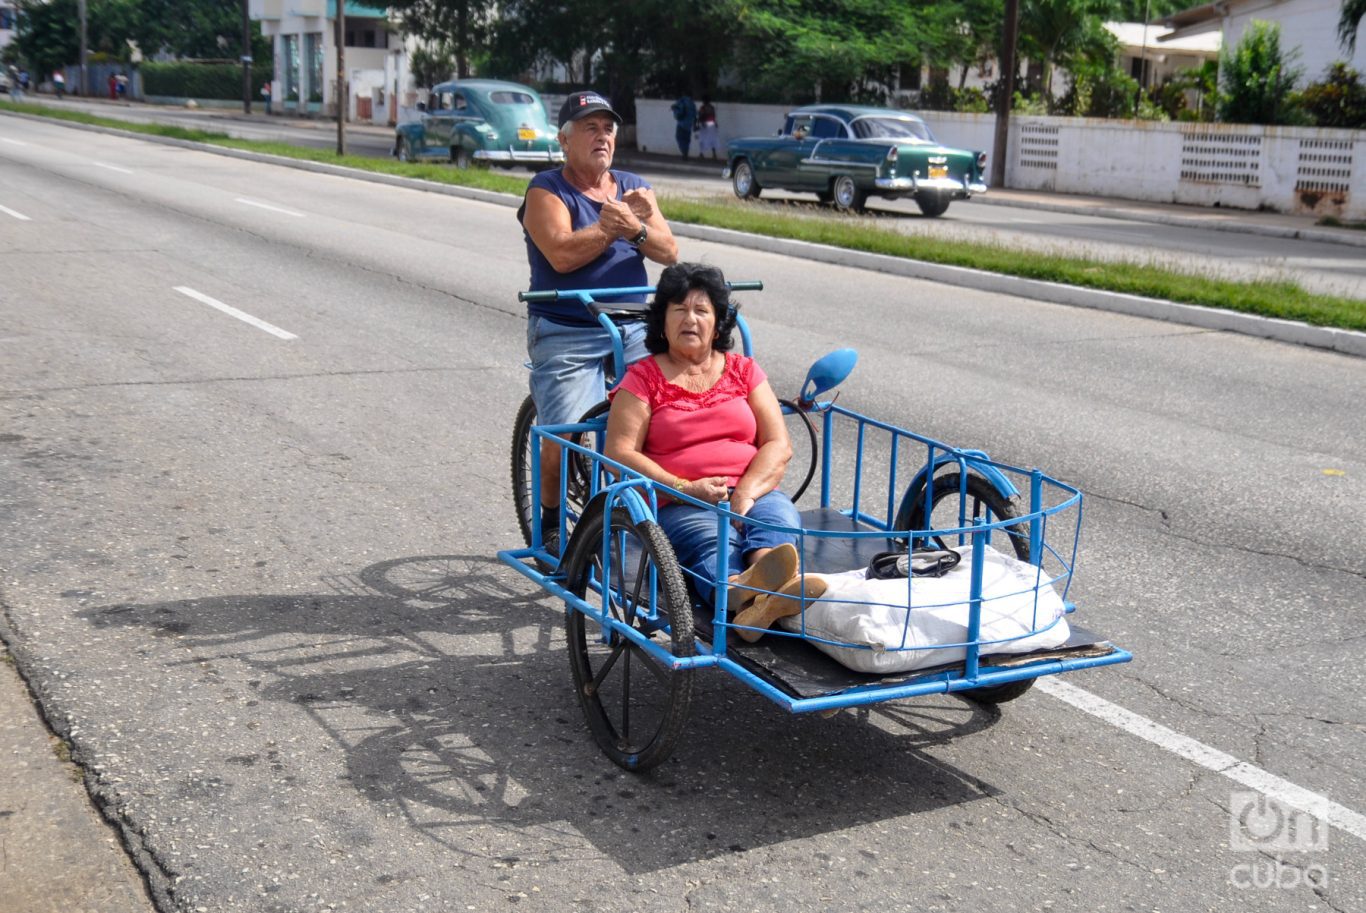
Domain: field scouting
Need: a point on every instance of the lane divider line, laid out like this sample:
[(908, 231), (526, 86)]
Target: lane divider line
[(13, 142), (112, 167), (234, 312), (18, 215), (1241, 772), (288, 212)]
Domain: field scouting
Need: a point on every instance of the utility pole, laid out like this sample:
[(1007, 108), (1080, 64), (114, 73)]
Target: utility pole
[(80, 10), (1006, 93), (341, 77), (246, 58)]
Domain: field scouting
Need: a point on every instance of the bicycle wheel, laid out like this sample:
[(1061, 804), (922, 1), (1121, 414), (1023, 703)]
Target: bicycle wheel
[(981, 500), (523, 498), (1000, 693), (635, 706)]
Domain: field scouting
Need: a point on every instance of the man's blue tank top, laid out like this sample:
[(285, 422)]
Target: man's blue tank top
[(620, 266)]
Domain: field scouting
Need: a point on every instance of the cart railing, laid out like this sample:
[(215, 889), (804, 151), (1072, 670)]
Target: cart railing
[(641, 498)]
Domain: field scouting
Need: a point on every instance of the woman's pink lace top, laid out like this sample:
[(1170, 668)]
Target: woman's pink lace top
[(692, 434)]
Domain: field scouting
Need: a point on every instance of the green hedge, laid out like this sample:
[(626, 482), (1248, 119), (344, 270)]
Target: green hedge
[(191, 79)]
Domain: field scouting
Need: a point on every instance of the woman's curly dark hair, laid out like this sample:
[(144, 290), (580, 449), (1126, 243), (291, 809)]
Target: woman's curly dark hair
[(674, 285)]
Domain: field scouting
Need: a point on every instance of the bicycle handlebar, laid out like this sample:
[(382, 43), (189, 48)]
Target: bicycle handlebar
[(586, 295)]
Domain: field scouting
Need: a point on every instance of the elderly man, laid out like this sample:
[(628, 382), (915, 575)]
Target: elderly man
[(586, 226)]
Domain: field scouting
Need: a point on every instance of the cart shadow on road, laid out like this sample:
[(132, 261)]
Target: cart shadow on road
[(444, 680)]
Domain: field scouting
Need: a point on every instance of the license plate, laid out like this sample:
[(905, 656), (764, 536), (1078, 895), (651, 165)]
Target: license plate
[(941, 172), (526, 133)]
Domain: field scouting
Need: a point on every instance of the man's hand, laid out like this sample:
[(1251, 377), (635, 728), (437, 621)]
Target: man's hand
[(641, 200), (618, 221)]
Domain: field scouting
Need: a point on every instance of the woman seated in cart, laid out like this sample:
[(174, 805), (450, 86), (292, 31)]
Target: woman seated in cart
[(703, 420)]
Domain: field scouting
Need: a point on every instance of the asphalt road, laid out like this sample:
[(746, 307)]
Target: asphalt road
[(252, 577), (1321, 266)]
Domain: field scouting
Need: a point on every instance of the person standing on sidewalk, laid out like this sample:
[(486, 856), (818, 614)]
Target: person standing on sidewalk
[(707, 135), (685, 115), (586, 226)]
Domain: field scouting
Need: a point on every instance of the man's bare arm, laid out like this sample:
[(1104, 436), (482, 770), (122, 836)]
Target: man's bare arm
[(547, 222)]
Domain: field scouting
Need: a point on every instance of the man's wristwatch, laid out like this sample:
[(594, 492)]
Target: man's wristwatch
[(640, 238)]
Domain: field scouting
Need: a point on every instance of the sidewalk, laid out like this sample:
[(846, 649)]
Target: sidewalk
[(57, 855), (1269, 224)]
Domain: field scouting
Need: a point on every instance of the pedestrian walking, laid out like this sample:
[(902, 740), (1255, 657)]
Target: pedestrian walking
[(59, 83)]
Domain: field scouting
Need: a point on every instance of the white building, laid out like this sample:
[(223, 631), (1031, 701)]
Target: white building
[(1309, 27), (8, 22), (305, 66), (1152, 55)]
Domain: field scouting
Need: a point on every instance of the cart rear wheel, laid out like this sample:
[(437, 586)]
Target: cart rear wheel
[(635, 706), (981, 500), (523, 498), (1000, 693)]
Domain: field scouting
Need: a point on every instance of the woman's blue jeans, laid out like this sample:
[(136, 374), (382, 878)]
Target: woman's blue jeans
[(692, 531)]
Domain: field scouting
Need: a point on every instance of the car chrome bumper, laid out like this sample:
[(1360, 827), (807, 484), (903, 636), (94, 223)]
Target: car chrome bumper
[(509, 155), (939, 185)]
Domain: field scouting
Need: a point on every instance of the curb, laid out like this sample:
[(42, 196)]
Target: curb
[(1347, 342), (1345, 238)]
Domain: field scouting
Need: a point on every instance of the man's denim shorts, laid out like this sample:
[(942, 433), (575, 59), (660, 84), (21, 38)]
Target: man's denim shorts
[(567, 366)]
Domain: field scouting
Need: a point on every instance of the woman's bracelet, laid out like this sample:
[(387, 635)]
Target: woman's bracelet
[(681, 483)]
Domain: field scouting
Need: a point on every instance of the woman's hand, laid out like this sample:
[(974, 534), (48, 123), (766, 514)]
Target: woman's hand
[(741, 502), (712, 489)]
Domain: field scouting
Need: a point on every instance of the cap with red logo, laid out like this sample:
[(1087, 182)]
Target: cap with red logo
[(581, 104)]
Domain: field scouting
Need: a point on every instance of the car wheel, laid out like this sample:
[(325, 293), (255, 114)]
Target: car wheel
[(847, 196), (932, 204), (402, 151), (743, 182), (461, 157)]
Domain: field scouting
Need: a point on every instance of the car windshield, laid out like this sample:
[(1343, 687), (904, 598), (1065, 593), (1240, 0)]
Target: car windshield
[(503, 97), (891, 128)]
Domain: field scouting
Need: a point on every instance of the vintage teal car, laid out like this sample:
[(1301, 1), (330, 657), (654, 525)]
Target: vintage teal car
[(484, 121), (847, 153)]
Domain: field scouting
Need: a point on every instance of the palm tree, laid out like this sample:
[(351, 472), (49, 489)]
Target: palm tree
[(1352, 11)]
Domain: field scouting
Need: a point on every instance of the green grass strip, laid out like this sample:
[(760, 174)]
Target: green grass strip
[(1283, 299)]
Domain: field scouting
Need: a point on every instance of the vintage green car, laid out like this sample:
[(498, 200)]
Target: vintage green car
[(482, 121), (847, 153)]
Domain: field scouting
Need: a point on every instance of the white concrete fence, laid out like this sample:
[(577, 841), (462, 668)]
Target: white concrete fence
[(1244, 166)]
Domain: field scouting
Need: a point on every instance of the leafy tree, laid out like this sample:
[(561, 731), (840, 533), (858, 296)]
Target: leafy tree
[(1338, 100), (47, 37), (432, 64), (1148, 10), (459, 28), (1068, 33), (1256, 80), (48, 34), (1352, 13), (1100, 90)]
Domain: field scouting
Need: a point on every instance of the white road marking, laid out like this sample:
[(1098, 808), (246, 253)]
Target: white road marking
[(1249, 775), (112, 167), (234, 312), (288, 212), (13, 142), (18, 215)]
